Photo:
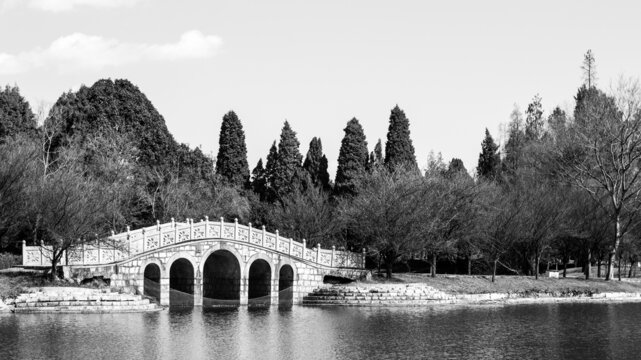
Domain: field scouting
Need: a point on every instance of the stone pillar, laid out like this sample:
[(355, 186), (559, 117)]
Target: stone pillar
[(198, 289), (164, 291), (244, 291), (24, 252)]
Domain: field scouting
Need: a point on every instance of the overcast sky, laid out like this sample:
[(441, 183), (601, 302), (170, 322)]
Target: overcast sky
[(455, 67)]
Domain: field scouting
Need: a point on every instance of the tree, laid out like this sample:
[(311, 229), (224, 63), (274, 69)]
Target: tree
[(316, 165), (516, 142), (231, 162), (589, 69), (384, 214), (489, 164), (16, 116), (270, 172), (398, 148), (352, 159), (259, 180), (376, 159), (534, 120), (499, 209), (557, 122), (455, 167), (602, 152), (285, 176)]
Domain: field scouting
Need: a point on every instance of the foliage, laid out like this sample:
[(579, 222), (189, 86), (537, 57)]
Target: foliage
[(316, 165), (16, 116), (489, 164), (231, 162), (399, 150), (352, 159)]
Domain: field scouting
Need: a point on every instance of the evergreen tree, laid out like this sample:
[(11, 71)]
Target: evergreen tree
[(15, 113), (259, 180), (455, 167), (489, 158), (399, 149), (316, 164), (231, 163), (286, 174), (269, 193), (352, 158)]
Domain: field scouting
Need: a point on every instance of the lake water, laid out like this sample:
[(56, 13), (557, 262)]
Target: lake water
[(550, 331)]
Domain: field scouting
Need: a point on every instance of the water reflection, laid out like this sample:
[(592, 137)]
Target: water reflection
[(553, 331)]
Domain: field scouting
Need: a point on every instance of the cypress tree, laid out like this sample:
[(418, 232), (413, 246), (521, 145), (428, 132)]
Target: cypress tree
[(489, 158), (399, 149), (455, 166), (352, 158), (288, 163), (231, 163), (316, 164)]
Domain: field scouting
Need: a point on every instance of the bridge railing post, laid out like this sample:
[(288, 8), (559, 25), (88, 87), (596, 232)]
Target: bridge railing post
[(262, 241), (99, 252), (128, 242), (206, 226), (235, 228), (363, 258), (249, 233), (304, 249), (144, 240), (318, 251), (333, 255), (222, 227), (277, 241), (291, 242), (84, 251), (191, 228), (24, 251)]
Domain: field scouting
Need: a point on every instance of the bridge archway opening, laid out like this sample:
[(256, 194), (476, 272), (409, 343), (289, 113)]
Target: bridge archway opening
[(181, 283), (151, 282), (221, 279), (286, 286), (260, 281)]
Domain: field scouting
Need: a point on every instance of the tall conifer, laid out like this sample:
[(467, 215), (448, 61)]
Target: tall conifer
[(288, 163), (398, 148), (489, 158), (316, 164), (352, 158), (231, 163)]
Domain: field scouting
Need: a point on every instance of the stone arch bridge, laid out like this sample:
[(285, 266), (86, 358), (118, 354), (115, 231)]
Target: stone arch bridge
[(205, 263)]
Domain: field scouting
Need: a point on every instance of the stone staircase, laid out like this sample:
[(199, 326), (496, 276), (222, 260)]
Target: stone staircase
[(81, 300), (378, 295)]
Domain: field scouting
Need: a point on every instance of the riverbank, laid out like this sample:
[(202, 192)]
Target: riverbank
[(422, 290)]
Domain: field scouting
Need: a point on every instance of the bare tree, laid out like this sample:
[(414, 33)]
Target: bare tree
[(602, 151)]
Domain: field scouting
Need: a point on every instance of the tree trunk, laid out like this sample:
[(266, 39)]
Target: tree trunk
[(388, 269), (494, 270), (588, 266), (598, 269), (619, 272), (630, 271), (469, 265), (565, 268), (613, 251), (537, 258), (433, 265)]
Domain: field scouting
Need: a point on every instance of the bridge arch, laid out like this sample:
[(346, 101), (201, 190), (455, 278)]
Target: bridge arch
[(194, 262), (286, 277), (216, 247), (152, 260), (259, 280), (152, 272), (221, 278), (182, 279)]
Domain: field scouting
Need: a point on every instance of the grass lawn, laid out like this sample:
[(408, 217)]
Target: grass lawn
[(482, 284)]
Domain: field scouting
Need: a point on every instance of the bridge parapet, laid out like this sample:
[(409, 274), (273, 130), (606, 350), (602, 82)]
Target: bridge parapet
[(124, 246)]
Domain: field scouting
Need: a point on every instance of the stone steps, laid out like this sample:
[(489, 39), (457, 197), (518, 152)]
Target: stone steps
[(402, 295), (81, 301)]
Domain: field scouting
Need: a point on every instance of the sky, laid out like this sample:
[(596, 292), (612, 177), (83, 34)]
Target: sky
[(454, 67)]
